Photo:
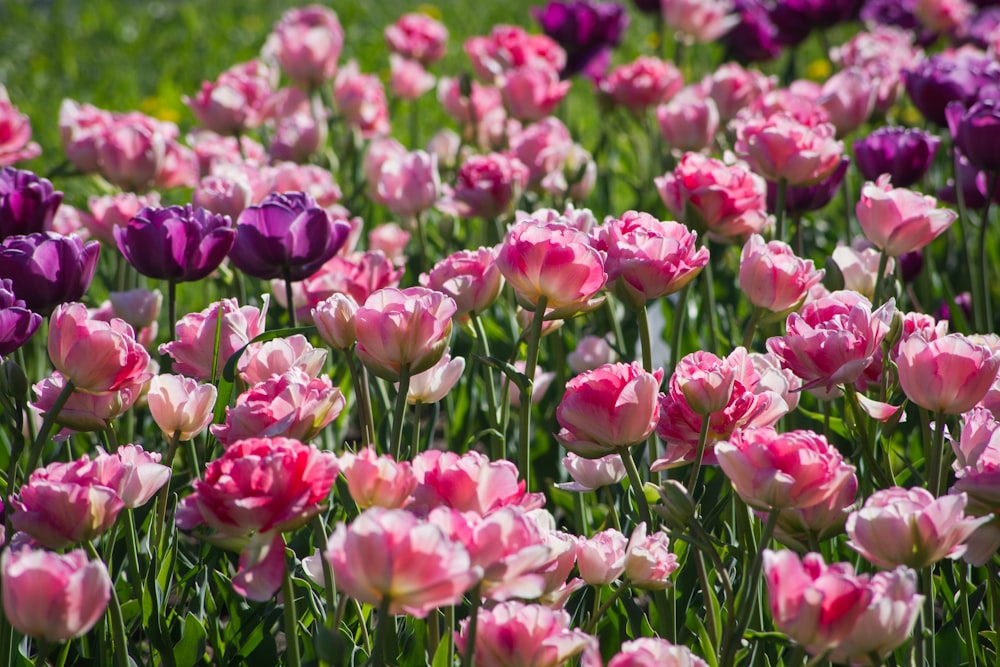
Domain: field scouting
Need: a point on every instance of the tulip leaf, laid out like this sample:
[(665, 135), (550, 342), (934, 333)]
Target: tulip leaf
[(508, 369), (837, 424), (190, 650)]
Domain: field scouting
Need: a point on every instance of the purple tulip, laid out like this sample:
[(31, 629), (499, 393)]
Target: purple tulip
[(905, 154), (47, 269), (586, 30), (27, 203), (805, 198), (950, 76), (981, 27), (910, 265), (972, 182), (286, 236), (178, 243), (754, 38), (648, 6), (795, 19), (977, 133), (900, 14), (17, 323)]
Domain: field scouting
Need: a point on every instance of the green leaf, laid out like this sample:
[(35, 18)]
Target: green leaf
[(837, 424), (190, 650)]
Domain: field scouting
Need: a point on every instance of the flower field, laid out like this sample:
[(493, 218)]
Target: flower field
[(577, 333)]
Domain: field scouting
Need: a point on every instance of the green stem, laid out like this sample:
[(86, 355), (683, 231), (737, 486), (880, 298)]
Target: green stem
[(292, 657), (927, 617), (975, 286), (44, 649), (706, 421), (475, 600), (399, 413), (496, 439), (133, 553), (883, 263), (934, 456), (164, 495), (381, 633), (363, 399), (117, 621), (530, 364), (330, 589), (779, 210), (647, 365), (636, 482), (971, 640), (599, 613), (289, 298), (711, 622), (415, 438), (708, 285), (47, 423), (751, 328), (677, 327), (867, 448), (987, 317), (418, 222)]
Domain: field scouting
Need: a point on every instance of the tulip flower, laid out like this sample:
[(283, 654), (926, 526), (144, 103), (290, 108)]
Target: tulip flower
[(27, 203), (47, 269), (950, 374), (306, 43)]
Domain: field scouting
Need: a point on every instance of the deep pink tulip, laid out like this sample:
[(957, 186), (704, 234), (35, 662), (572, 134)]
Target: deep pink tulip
[(391, 553), (899, 220), (262, 360), (95, 356), (832, 340), (513, 634), (655, 652), (642, 83), (391, 239), (950, 374), (800, 527), (417, 37), (815, 604), (403, 329), (887, 622), (65, 503), (15, 133), (84, 411), (648, 560), (773, 277), (357, 275), (409, 184), (544, 148), (752, 402), (470, 277), (610, 407), (290, 405), (601, 557), (468, 483), (360, 100), (552, 261), (780, 147), (111, 211), (782, 471), (532, 93), (911, 527), (377, 481), (234, 102), (80, 127), (53, 597), (487, 185), (180, 405), (306, 43), (689, 121), (646, 258), (194, 348), (509, 47), (729, 202)]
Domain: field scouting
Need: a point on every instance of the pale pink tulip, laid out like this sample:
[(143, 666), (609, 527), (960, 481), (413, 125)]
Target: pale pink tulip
[(391, 553), (689, 121), (470, 277), (858, 264), (417, 37), (700, 20), (377, 481), (306, 43), (408, 80), (262, 360), (543, 378), (130, 155), (360, 100), (655, 652), (53, 597), (899, 220), (543, 148), (849, 97), (799, 527), (390, 239), (335, 323), (194, 349), (648, 560), (532, 93), (84, 411), (136, 475), (590, 352), (234, 102), (780, 148), (608, 408), (179, 405), (468, 483), (782, 471), (733, 88), (643, 83), (911, 527), (601, 558), (592, 474), (513, 634), (706, 384), (434, 384), (80, 128), (950, 374), (773, 277), (408, 184)]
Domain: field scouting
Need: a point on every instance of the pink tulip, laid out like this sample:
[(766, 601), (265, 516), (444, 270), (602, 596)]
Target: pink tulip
[(233, 102), (335, 321), (84, 411), (262, 360), (194, 348), (608, 408), (509, 47), (543, 378), (417, 37), (943, 15), (307, 42), (471, 108), (290, 405), (95, 356), (223, 195), (797, 102), (136, 475), (552, 261), (53, 597), (590, 352), (180, 405), (130, 155), (911, 527), (468, 483), (297, 137), (950, 374), (773, 278), (800, 527), (700, 21), (648, 560), (646, 259), (655, 652), (487, 185), (357, 275), (408, 80), (377, 481), (592, 474), (849, 97), (706, 384), (112, 211), (733, 88), (470, 277), (408, 184), (65, 503), (887, 622), (15, 133), (532, 93), (751, 403), (782, 471), (832, 340), (858, 263), (643, 83), (883, 52), (780, 147), (899, 220), (391, 239), (513, 634), (360, 100), (979, 440), (434, 384), (80, 128), (403, 330), (689, 121), (815, 604), (391, 553), (543, 147), (728, 201), (601, 558)]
